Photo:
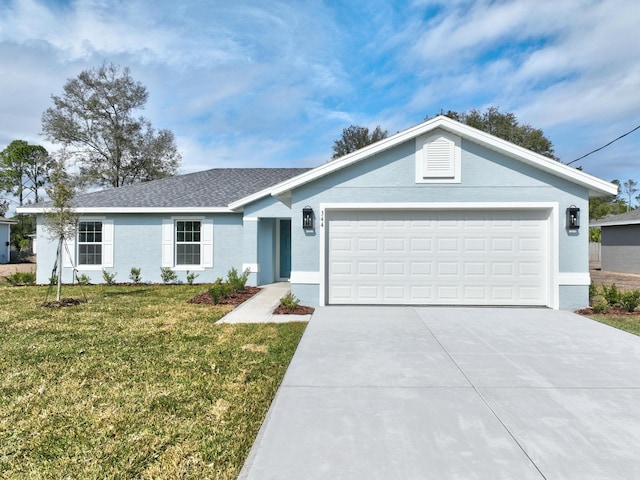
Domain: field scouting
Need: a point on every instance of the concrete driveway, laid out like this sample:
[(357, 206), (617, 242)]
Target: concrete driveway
[(454, 393)]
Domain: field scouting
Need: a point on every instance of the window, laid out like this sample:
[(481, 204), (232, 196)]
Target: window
[(188, 242), (90, 243)]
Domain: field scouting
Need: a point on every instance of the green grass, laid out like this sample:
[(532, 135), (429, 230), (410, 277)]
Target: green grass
[(136, 383), (629, 323)]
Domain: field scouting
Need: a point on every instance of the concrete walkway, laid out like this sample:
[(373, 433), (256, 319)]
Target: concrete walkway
[(454, 393), (260, 307)]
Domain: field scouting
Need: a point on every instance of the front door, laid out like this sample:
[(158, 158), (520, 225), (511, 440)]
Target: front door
[(284, 271)]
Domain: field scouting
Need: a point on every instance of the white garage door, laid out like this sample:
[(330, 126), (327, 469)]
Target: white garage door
[(438, 257)]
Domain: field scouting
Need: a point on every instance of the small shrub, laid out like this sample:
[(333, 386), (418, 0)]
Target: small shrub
[(83, 279), (238, 282), (53, 280), (593, 291), (630, 300), (109, 278), (168, 275), (611, 294), (290, 301), (219, 290), (21, 278), (134, 275), (191, 277), (600, 305)]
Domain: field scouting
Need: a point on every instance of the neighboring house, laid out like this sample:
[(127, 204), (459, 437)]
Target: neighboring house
[(439, 214), (620, 242), (5, 239)]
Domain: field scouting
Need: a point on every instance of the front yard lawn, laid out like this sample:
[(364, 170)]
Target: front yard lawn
[(629, 322), (135, 383)]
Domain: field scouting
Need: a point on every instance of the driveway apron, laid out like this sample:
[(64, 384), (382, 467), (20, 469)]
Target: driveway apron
[(454, 393)]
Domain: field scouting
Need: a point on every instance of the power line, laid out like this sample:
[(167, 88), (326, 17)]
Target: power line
[(604, 146)]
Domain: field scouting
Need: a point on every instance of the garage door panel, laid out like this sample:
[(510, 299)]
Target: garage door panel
[(422, 257)]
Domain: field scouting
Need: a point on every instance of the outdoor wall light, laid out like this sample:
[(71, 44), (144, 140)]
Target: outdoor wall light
[(573, 218), (307, 218)]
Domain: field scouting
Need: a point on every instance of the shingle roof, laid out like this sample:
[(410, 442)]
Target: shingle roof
[(217, 187), (628, 218), (6, 220)]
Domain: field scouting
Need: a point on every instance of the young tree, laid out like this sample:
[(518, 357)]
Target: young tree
[(96, 117), (354, 138), (61, 219), (507, 127), (24, 169), (630, 187)]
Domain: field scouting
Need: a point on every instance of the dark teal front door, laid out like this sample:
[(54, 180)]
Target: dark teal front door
[(285, 249)]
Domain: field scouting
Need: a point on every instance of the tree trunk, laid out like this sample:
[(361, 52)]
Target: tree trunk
[(59, 268)]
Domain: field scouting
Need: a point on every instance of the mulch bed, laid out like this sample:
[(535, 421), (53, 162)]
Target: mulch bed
[(614, 312), (299, 310), (237, 298), (234, 299), (64, 302)]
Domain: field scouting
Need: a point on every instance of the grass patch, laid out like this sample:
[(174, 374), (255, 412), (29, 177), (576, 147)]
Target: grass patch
[(628, 323), (135, 383)]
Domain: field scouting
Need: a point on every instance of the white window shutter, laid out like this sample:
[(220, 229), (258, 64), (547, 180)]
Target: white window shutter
[(439, 158), (207, 242), (69, 252), (107, 242), (167, 242)]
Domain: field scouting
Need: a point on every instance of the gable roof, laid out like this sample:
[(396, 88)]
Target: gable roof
[(208, 191), (595, 186), (627, 218)]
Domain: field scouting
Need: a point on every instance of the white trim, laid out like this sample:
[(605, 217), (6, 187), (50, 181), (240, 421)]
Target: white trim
[(441, 206), (596, 186), (553, 294), (574, 278), (250, 219), (253, 267), (112, 210), (308, 278)]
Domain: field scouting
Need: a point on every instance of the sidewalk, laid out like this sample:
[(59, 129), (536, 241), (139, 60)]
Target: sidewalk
[(259, 308)]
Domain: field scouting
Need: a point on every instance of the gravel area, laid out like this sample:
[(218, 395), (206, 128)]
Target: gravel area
[(625, 281), (9, 268)]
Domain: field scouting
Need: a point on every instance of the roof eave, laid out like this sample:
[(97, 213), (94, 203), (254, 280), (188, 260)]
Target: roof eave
[(615, 223), (595, 186), (112, 210)]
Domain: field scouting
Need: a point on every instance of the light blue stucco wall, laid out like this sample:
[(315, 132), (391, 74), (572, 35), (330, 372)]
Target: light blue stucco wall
[(487, 176), (4, 238), (137, 243)]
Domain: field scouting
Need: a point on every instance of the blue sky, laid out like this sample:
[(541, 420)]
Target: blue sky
[(273, 83)]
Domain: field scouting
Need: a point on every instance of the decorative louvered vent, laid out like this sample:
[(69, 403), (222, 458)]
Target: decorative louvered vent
[(439, 159)]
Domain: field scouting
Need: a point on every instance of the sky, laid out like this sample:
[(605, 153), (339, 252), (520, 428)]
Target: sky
[(272, 83)]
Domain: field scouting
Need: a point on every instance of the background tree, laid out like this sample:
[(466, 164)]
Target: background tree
[(629, 188), (4, 207), (24, 170), (61, 219), (603, 206), (95, 117), (507, 127), (354, 138)]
